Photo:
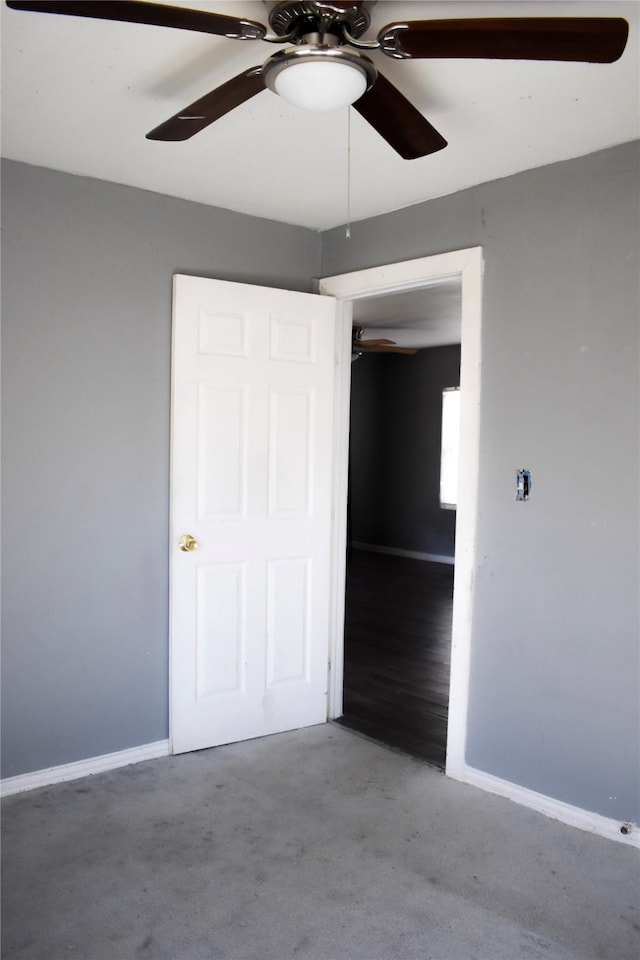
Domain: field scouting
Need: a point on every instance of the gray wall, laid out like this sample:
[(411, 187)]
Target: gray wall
[(86, 312), (554, 667), (366, 462), (86, 343), (396, 425)]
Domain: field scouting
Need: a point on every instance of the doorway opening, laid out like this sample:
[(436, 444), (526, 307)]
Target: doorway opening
[(462, 267), (400, 535)]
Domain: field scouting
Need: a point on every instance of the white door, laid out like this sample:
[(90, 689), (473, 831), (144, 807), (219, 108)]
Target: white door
[(252, 421)]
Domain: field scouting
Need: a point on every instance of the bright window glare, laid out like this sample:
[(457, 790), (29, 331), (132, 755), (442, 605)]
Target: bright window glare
[(450, 442)]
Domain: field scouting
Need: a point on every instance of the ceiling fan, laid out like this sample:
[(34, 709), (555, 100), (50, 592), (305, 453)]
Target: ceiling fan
[(323, 68), (381, 345)]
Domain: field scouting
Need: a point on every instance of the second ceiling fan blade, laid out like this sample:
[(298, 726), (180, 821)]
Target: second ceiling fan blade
[(155, 14), (398, 121), (212, 106), (407, 351), (590, 39)]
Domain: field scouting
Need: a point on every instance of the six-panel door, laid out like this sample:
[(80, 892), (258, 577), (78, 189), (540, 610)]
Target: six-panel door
[(252, 438)]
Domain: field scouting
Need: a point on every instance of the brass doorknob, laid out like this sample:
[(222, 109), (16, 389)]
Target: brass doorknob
[(187, 543)]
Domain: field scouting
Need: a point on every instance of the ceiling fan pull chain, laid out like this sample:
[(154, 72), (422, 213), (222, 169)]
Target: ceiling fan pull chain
[(348, 230)]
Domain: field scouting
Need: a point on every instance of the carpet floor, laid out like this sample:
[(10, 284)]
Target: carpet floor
[(311, 845)]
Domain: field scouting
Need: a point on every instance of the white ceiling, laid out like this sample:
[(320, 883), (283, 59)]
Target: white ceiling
[(429, 317), (79, 95)]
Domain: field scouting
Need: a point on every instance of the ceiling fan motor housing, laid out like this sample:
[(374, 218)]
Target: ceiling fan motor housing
[(311, 16)]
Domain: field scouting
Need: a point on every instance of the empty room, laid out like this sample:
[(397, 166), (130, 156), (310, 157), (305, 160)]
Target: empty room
[(198, 201)]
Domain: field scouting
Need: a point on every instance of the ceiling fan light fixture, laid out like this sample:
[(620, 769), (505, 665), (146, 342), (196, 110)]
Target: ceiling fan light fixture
[(320, 78), (321, 86)]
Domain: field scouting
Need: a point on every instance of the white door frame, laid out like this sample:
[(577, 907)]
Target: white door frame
[(396, 278)]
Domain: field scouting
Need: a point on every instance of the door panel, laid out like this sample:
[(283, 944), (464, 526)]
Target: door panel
[(252, 428)]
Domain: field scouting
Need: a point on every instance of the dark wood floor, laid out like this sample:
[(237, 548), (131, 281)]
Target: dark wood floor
[(398, 652)]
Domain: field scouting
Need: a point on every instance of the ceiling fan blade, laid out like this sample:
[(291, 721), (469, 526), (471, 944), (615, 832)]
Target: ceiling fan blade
[(408, 351), (375, 343), (398, 121), (212, 106), (155, 14), (590, 39)]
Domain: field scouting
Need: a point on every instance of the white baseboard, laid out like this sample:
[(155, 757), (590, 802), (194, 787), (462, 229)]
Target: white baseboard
[(556, 809), (83, 768), (397, 552)]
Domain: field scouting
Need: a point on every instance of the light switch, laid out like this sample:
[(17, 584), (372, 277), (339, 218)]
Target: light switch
[(523, 484)]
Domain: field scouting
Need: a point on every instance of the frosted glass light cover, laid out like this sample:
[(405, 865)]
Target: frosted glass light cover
[(321, 86)]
